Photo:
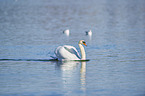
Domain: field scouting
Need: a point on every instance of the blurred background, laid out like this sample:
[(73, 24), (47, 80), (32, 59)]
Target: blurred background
[(32, 29)]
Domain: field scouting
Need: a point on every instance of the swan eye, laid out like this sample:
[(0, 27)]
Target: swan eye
[(84, 42)]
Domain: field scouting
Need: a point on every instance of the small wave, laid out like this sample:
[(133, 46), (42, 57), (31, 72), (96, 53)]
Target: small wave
[(28, 59)]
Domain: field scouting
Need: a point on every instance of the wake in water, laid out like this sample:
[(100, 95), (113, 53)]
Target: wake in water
[(43, 60), (28, 60)]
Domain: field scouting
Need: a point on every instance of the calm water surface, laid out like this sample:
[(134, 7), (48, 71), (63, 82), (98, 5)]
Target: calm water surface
[(30, 30)]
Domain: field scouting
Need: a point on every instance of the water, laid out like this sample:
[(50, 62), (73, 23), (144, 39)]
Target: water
[(30, 30)]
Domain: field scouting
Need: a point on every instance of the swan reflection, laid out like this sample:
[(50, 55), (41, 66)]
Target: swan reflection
[(83, 75), (69, 74), (73, 75), (67, 65)]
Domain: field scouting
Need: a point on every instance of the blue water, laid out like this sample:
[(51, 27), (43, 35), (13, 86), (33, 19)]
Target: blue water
[(30, 30)]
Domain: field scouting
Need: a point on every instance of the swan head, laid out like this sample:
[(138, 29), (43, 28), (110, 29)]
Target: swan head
[(82, 42)]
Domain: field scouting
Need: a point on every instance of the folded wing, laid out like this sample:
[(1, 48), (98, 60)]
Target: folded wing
[(67, 52)]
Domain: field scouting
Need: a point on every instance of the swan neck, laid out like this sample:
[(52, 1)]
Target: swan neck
[(83, 54)]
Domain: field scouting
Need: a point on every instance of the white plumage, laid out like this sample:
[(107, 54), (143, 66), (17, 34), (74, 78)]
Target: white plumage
[(66, 32), (67, 52), (89, 33)]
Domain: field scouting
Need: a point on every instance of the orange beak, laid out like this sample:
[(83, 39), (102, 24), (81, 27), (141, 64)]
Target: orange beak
[(85, 44)]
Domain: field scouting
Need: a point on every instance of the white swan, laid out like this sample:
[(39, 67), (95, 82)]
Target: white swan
[(66, 32), (67, 52), (89, 33)]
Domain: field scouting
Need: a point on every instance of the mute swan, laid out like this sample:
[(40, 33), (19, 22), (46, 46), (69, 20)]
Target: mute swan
[(67, 52), (66, 32), (89, 33)]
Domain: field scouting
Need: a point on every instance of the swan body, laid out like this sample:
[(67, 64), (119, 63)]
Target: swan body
[(66, 32), (67, 52), (89, 33)]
